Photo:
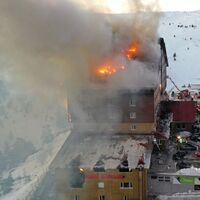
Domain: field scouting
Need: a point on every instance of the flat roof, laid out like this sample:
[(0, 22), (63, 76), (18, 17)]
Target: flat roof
[(111, 149)]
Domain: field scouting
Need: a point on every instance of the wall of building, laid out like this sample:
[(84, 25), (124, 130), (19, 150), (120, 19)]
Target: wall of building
[(159, 184), (109, 185), (129, 112), (136, 128), (181, 126), (183, 111)]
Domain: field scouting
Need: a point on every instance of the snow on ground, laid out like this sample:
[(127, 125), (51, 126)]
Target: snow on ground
[(181, 31), (36, 166), (181, 196)]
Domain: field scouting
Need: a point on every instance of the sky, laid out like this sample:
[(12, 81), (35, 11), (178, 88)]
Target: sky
[(180, 5), (121, 6)]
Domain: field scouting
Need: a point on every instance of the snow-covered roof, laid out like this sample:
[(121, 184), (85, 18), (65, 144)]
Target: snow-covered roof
[(111, 150), (189, 172)]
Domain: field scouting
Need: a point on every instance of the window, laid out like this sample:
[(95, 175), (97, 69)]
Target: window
[(132, 115), (180, 126), (133, 127), (196, 187), (153, 177), (77, 197), (101, 185), (164, 178), (132, 101), (125, 198), (126, 185), (101, 197)]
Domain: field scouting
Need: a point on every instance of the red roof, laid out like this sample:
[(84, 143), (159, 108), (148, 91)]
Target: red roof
[(183, 111)]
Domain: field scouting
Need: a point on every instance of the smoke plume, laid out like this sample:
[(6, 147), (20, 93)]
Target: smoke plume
[(51, 45)]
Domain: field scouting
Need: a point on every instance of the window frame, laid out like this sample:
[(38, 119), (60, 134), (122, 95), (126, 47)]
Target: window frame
[(101, 185), (132, 102), (126, 185), (132, 115), (77, 197), (133, 127), (102, 197)]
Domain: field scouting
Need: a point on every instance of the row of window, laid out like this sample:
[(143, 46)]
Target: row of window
[(123, 185), (112, 115), (102, 197), (161, 178), (180, 126)]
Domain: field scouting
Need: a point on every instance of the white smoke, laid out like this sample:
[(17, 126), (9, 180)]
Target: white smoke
[(54, 44)]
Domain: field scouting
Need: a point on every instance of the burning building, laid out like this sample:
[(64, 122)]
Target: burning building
[(120, 108), (105, 158)]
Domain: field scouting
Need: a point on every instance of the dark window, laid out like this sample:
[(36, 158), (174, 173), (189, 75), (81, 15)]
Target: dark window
[(99, 166), (133, 127), (124, 167), (77, 197), (126, 185), (167, 179), (101, 197), (125, 198), (132, 115), (197, 187), (164, 178), (153, 177), (132, 101)]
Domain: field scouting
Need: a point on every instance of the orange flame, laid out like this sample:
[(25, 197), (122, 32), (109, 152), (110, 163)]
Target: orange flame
[(132, 51), (106, 70), (112, 67)]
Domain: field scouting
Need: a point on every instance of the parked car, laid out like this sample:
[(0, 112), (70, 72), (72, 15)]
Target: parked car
[(179, 155), (196, 154), (182, 165), (188, 147), (195, 138)]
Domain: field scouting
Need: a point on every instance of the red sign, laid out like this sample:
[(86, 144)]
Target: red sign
[(104, 177)]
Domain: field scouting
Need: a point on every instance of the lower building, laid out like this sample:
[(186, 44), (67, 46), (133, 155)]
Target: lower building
[(107, 185), (105, 168)]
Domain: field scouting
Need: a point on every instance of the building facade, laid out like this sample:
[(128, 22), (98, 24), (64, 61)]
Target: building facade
[(124, 113), (184, 115), (107, 185)]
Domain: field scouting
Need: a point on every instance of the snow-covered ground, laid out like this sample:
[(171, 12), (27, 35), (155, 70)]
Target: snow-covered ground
[(181, 196), (35, 167), (181, 31)]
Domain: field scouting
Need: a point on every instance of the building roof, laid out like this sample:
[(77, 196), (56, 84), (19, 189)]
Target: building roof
[(163, 47), (183, 111), (112, 150)]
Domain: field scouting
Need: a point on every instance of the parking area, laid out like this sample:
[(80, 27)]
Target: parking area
[(182, 151)]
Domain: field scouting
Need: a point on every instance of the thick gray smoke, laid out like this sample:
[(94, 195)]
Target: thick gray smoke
[(51, 46)]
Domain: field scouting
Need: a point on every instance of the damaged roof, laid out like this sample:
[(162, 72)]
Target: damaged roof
[(112, 150)]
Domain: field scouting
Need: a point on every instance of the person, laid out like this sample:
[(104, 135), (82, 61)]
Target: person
[(141, 162)]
